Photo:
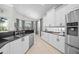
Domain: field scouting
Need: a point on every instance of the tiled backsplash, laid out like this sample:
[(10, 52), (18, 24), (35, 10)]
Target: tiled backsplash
[(56, 29)]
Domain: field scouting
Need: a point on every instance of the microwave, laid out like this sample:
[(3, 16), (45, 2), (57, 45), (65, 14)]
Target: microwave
[(72, 28)]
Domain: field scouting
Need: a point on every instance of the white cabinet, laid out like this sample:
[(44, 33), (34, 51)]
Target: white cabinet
[(61, 43), (45, 36), (52, 39), (25, 44), (31, 40), (55, 40), (19, 46), (16, 47), (5, 49)]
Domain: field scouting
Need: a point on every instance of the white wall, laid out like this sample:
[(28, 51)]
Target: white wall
[(49, 19), (62, 11), (10, 14), (57, 16)]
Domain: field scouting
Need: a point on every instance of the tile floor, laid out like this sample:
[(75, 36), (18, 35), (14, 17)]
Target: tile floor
[(41, 47)]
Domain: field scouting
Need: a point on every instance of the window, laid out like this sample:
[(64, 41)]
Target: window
[(17, 24), (23, 24), (3, 24), (28, 25)]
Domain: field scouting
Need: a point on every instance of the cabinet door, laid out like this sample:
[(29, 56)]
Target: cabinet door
[(25, 43), (22, 44), (54, 41), (5, 49), (61, 44), (50, 38), (31, 40), (76, 15), (16, 47), (45, 36)]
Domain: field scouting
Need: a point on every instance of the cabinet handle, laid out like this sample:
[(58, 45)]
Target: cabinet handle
[(58, 39), (1, 52), (22, 39)]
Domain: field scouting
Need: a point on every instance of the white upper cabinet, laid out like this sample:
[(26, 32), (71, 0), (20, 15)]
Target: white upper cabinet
[(49, 19), (60, 18), (62, 14), (54, 18)]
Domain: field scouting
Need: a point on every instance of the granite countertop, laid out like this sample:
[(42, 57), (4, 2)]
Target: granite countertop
[(6, 40), (3, 42)]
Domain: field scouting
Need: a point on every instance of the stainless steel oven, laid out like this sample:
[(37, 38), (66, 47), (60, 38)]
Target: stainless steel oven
[(72, 28)]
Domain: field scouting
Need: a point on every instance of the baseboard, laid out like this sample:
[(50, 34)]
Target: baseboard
[(28, 49)]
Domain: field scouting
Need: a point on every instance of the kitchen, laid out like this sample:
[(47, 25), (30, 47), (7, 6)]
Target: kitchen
[(55, 24)]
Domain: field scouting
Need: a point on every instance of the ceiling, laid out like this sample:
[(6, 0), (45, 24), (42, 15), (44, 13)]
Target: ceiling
[(34, 11)]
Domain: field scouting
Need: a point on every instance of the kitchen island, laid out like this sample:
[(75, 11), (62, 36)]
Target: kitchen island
[(20, 44)]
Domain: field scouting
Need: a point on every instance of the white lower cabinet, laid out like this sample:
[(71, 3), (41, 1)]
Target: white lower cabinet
[(31, 40), (19, 46), (25, 44), (61, 44), (5, 49), (55, 40), (45, 36), (16, 47)]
